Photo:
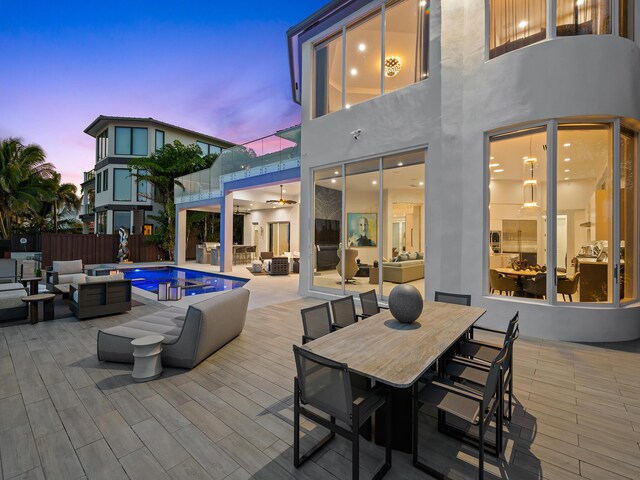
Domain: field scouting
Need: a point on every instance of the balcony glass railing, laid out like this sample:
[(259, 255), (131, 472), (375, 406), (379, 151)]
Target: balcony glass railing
[(90, 175), (276, 152)]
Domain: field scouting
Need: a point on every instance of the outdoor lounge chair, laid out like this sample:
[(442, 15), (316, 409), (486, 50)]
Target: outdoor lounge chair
[(11, 305), (189, 339), (64, 273), (100, 296), (8, 270)]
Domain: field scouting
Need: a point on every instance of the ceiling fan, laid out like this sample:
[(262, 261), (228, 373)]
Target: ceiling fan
[(282, 201), (238, 212)]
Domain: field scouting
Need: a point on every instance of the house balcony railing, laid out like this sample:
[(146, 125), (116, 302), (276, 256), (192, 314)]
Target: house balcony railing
[(277, 152), (90, 175)]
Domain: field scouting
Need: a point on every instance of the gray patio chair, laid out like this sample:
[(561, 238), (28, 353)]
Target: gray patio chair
[(316, 322), (8, 270), (457, 298), (344, 312), (472, 406), (483, 351), (326, 386), (369, 304)]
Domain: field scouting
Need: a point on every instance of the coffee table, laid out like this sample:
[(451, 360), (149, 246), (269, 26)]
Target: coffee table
[(47, 302), (146, 357)]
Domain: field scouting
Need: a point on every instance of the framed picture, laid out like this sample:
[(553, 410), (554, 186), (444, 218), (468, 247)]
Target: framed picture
[(362, 229), (147, 229)]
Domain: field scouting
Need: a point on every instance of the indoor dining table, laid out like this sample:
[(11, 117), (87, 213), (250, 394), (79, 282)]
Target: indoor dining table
[(397, 354)]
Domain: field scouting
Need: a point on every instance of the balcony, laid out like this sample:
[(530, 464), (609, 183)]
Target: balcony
[(274, 153), (88, 176)]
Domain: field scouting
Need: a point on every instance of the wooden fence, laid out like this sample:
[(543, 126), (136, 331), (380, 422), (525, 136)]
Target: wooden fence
[(25, 242), (95, 249)]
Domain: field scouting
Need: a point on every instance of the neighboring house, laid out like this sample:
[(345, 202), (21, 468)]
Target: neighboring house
[(111, 198), (479, 132)]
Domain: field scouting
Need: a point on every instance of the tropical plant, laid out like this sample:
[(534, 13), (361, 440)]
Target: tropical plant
[(23, 175), (162, 169)]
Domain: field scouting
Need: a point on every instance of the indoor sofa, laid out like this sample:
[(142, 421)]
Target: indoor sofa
[(188, 339), (99, 296), (405, 268)]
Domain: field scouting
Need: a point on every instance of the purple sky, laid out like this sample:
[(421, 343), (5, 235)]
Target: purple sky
[(220, 68)]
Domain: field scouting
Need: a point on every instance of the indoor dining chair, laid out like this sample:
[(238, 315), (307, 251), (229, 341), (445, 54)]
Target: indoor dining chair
[(369, 304), (476, 407), (316, 322), (326, 386)]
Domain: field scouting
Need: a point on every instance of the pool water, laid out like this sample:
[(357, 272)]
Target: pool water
[(192, 281)]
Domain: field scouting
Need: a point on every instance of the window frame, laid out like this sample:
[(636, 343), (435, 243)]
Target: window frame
[(156, 139), (99, 182), (553, 126), (131, 152), (115, 183)]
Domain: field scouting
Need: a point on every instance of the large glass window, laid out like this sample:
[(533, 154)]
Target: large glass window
[(401, 60), (517, 213), (515, 24), (375, 238), (585, 212), (121, 185), (102, 145), (364, 50), (159, 139), (583, 17), (99, 182), (121, 219), (208, 149), (143, 188), (131, 141), (328, 76), (101, 222), (628, 216)]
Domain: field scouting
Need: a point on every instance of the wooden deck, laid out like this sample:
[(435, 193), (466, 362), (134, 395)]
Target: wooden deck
[(65, 415)]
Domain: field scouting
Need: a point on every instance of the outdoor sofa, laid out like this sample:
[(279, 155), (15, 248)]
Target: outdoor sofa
[(11, 305), (64, 272), (188, 339), (100, 296)]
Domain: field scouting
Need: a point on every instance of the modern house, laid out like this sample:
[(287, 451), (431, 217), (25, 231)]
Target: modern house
[(492, 136), (111, 198)]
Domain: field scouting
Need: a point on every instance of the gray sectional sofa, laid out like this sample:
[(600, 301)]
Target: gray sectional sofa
[(189, 339)]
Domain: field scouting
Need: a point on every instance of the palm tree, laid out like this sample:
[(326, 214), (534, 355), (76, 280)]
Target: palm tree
[(64, 197), (22, 170)]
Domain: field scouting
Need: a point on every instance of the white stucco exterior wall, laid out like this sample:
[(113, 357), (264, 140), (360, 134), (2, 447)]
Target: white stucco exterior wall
[(449, 114)]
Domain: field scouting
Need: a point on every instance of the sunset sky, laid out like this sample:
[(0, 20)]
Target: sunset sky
[(220, 68)]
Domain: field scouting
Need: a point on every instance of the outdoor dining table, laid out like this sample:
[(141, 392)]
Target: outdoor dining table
[(397, 354)]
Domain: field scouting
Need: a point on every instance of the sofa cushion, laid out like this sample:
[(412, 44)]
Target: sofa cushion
[(66, 267), (5, 287), (166, 323), (12, 299), (419, 256), (72, 278), (105, 278), (412, 255)]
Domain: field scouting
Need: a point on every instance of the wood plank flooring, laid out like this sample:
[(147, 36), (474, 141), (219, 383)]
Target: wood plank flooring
[(65, 415)]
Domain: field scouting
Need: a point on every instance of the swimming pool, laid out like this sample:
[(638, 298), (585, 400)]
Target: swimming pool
[(192, 281)]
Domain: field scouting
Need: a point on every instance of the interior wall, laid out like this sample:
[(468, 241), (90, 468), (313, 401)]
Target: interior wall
[(264, 217)]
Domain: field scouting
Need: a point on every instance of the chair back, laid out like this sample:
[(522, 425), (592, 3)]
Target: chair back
[(537, 285), (491, 386), (266, 255), (316, 321), (344, 311), (457, 298), (324, 384), (8, 270), (369, 303), (511, 328)]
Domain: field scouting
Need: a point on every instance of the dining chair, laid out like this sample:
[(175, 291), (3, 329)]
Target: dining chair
[(502, 283), (476, 407), (536, 287), (344, 312), (475, 375), (326, 386), (457, 298), (484, 351), (369, 304), (316, 322), (568, 286)]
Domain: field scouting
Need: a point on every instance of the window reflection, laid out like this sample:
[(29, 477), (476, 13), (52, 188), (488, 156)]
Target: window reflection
[(583, 17), (515, 24)]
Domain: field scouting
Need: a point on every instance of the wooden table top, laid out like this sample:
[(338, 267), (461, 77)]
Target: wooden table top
[(395, 353), (38, 297), (524, 273)]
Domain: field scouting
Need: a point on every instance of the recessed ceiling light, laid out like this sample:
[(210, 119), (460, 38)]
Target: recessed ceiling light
[(251, 204), (374, 182), (492, 158), (400, 164), (566, 178), (333, 180), (567, 145), (347, 106), (492, 178), (523, 24), (273, 206), (566, 170), (336, 172), (567, 159), (500, 170), (362, 47), (353, 72), (579, 3), (420, 183), (423, 3), (494, 165), (284, 191)]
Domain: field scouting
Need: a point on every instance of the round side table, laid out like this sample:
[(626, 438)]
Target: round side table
[(47, 302), (146, 357)]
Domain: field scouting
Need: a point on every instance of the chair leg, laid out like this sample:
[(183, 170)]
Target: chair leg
[(414, 426), (355, 445), (387, 433), (296, 424), (499, 417), (570, 299), (481, 447)]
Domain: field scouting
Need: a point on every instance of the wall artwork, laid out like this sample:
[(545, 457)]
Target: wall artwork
[(362, 229)]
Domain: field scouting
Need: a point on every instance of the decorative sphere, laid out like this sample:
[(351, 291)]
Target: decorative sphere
[(405, 303)]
